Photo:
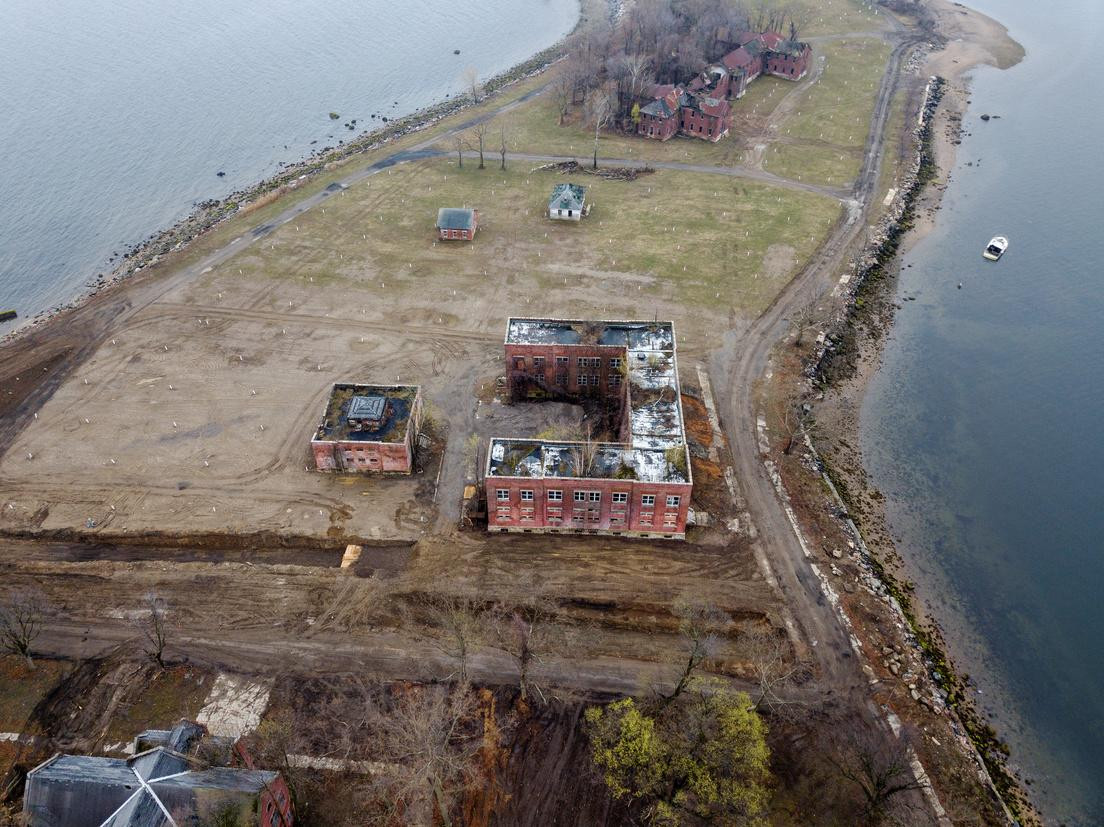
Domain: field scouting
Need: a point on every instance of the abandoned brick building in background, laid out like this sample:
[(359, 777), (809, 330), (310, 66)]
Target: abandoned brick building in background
[(702, 108), (633, 477), (368, 428)]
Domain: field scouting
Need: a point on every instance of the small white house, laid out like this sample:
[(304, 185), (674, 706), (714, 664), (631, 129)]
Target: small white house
[(568, 202)]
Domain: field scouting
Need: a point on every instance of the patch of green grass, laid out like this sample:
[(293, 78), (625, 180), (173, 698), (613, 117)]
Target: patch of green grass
[(173, 693), (834, 115), (22, 687), (695, 238), (897, 140), (816, 18)]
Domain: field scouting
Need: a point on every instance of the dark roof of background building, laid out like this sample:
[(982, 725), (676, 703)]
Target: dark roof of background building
[(770, 39), (455, 218), (738, 59), (790, 48), (714, 107)]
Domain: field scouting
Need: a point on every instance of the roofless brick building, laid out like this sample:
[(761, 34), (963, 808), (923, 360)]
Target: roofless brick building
[(368, 428), (636, 484)]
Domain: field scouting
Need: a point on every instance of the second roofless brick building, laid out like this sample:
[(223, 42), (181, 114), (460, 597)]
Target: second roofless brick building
[(638, 485)]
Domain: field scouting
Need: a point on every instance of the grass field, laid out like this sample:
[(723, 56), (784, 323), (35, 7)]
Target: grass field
[(817, 18), (695, 238), (23, 686), (823, 140)]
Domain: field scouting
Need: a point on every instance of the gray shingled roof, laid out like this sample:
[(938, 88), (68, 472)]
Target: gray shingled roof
[(658, 108), (78, 790), (567, 197), (455, 218)]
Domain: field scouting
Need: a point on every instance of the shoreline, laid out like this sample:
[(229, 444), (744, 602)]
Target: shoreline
[(852, 356), (210, 214)]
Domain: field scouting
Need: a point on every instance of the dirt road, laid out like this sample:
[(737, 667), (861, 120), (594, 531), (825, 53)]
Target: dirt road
[(743, 361)]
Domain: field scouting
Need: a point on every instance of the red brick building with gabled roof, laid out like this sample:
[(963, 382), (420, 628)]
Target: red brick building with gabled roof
[(660, 118), (705, 117)]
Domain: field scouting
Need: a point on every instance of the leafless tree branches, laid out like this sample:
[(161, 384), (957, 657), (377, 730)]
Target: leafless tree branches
[(529, 632), (470, 77), (479, 131), (774, 668), (700, 626), (152, 624), (463, 624), (21, 614), (879, 768)]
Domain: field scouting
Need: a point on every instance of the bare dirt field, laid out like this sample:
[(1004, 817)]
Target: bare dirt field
[(195, 414)]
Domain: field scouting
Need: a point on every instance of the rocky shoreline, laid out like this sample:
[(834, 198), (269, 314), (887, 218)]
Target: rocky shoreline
[(840, 367)]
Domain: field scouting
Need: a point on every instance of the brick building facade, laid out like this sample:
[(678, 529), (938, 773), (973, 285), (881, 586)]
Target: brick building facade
[(368, 428), (638, 483), (457, 223)]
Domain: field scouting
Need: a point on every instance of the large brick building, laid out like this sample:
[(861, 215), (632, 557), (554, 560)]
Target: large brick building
[(638, 481), (368, 428), (703, 108)]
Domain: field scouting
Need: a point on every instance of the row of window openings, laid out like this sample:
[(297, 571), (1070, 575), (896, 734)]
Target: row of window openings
[(645, 519), (503, 495), (582, 361)]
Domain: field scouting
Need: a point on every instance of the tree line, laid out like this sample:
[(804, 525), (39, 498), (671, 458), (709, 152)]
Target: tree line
[(608, 67)]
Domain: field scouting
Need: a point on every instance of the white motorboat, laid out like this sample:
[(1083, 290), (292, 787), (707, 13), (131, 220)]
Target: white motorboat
[(996, 247)]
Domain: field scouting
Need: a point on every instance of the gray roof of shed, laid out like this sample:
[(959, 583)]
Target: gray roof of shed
[(79, 790), (567, 197), (455, 218)]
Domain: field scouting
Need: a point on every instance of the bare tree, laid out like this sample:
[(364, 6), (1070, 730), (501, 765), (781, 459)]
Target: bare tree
[(431, 754), (529, 632), (22, 612), (460, 147), (502, 146), (803, 318), (774, 668), (700, 625), (480, 133), (471, 82), (637, 68), (152, 623), (796, 422), (879, 766), (599, 112), (461, 620), (563, 88)]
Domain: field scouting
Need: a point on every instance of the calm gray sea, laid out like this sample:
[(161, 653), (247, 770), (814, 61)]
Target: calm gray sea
[(115, 117), (983, 427)]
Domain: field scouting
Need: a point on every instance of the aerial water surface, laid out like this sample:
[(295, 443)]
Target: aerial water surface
[(118, 116), (983, 427)]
